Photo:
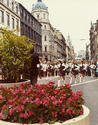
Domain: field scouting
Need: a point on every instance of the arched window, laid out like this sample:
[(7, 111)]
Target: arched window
[(44, 16), (45, 26), (45, 48), (45, 38), (37, 16)]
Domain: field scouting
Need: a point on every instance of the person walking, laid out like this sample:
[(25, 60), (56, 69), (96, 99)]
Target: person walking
[(61, 72), (34, 68), (96, 71)]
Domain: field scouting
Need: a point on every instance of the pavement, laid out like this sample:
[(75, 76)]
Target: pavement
[(90, 93)]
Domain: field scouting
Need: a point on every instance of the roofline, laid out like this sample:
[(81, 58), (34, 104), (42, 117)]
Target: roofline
[(29, 13)]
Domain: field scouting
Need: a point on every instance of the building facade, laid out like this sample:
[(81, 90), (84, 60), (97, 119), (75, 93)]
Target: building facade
[(31, 28), (88, 52), (60, 44), (94, 41), (50, 40), (10, 15), (70, 54)]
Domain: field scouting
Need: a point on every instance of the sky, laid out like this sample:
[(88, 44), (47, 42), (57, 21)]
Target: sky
[(71, 17)]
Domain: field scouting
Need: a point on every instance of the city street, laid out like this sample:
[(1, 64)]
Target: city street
[(48, 39), (90, 93)]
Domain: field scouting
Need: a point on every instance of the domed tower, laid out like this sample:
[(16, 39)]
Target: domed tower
[(40, 12)]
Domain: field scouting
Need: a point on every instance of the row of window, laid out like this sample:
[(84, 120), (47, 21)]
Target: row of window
[(8, 18), (38, 49), (13, 6), (44, 16), (30, 33), (26, 17), (50, 48)]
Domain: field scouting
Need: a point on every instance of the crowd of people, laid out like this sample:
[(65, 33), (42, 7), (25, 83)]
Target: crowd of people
[(62, 68)]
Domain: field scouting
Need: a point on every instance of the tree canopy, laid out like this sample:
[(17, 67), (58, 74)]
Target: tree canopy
[(14, 52)]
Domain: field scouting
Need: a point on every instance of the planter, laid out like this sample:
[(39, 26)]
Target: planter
[(81, 120), (12, 84)]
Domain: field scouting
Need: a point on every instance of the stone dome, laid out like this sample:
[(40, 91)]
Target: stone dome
[(39, 5)]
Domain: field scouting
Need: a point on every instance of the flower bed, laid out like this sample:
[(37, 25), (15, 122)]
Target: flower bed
[(39, 103)]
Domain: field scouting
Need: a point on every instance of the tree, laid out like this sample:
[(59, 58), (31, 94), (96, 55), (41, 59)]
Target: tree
[(14, 52)]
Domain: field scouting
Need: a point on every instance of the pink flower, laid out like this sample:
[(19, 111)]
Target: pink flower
[(68, 86), (81, 112), (70, 99), (20, 108), (63, 110), (41, 121), (24, 102), (10, 102), (79, 93), (11, 111), (28, 102), (45, 101), (73, 112), (68, 111), (21, 115), (0, 116), (37, 101), (54, 114), (26, 115), (30, 113), (55, 103)]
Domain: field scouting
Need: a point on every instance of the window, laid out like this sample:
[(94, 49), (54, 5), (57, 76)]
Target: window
[(25, 16), (45, 26), (45, 38), (1, 16), (45, 48), (17, 9), (13, 23), (44, 15), (8, 3), (8, 20), (29, 19), (17, 23), (38, 16), (12, 6), (22, 13)]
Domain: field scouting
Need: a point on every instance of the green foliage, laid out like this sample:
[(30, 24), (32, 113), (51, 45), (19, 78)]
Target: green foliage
[(14, 52)]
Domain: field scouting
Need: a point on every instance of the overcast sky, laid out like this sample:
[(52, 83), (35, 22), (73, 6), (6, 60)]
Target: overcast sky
[(70, 16)]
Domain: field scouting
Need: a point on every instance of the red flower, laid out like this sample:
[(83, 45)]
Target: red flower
[(68, 86), (0, 116), (81, 112), (26, 115), (41, 121), (40, 103), (54, 114), (21, 115), (11, 111)]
